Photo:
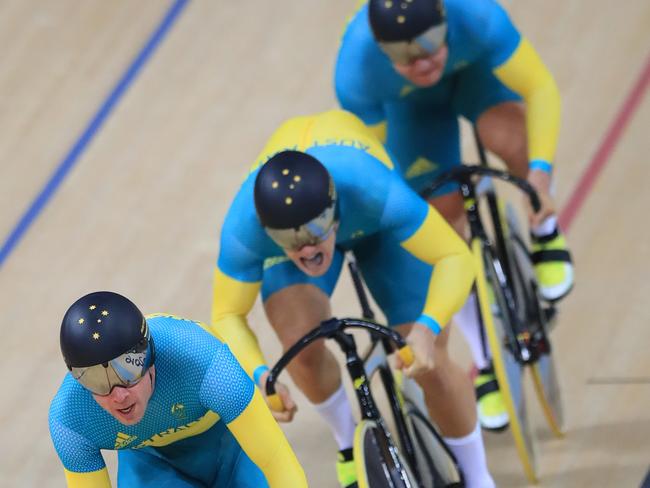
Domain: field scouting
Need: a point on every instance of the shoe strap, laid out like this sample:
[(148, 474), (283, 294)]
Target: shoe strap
[(345, 455), (487, 370), (550, 255), (546, 238), (487, 387)]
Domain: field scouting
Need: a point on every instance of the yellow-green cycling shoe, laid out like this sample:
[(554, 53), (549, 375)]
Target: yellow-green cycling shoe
[(346, 470), (553, 265), (492, 412)]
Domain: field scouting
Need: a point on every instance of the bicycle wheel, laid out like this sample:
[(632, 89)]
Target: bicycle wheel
[(435, 465), (377, 460), (544, 370), (508, 371)]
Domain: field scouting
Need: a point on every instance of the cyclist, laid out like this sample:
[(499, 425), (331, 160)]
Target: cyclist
[(323, 185), (409, 69), (181, 414)]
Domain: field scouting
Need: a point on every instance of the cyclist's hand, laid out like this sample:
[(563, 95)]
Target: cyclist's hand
[(290, 407), (541, 181), (422, 342)]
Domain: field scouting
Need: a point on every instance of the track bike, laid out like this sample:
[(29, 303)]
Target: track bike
[(417, 456), (515, 319)]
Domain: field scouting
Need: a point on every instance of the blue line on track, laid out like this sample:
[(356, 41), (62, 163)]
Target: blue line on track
[(64, 167), (646, 482)]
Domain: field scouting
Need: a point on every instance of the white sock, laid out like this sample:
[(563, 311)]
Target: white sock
[(470, 454), (546, 227), (468, 321), (337, 412)]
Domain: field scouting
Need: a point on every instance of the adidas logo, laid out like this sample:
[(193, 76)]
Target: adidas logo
[(123, 440)]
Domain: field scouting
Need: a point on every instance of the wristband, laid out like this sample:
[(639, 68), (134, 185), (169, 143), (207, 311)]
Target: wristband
[(259, 371), (430, 322), (541, 165)]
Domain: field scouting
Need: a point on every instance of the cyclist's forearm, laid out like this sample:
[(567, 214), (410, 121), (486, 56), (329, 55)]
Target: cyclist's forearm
[(436, 242), (94, 479), (261, 438), (525, 73), (231, 303), (449, 288)]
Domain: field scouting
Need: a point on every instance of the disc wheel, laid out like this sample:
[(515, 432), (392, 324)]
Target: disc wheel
[(543, 370), (508, 371)]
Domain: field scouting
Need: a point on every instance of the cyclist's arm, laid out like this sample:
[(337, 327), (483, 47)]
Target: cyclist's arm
[(94, 479), (76, 453), (261, 438), (232, 301), (525, 73), (228, 391), (518, 66), (436, 242)]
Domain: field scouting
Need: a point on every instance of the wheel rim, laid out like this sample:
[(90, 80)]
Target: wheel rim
[(378, 463)]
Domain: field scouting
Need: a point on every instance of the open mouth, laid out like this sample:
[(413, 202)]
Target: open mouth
[(315, 260), (127, 410)]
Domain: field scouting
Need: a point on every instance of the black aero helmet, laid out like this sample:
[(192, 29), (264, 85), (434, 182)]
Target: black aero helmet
[(407, 29), (295, 199), (105, 342)]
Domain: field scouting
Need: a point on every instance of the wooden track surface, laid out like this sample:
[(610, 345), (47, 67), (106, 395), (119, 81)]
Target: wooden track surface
[(140, 211)]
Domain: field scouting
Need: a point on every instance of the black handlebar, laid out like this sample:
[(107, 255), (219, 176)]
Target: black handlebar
[(463, 173), (331, 328)]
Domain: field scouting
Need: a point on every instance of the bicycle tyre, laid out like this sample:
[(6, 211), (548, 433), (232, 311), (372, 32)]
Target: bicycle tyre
[(436, 465), (508, 371), (544, 370), (377, 460)]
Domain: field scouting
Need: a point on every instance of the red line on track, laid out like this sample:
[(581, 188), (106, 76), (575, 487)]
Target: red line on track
[(609, 142)]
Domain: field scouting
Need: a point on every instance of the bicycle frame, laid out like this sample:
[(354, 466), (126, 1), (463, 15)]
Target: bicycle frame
[(518, 340), (376, 361)]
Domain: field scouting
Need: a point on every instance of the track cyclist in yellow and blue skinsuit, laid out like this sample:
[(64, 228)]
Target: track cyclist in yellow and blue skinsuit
[(324, 185), (169, 396), (410, 68)]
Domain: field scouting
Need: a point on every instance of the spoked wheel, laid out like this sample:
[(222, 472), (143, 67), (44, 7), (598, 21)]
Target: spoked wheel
[(436, 466), (543, 370), (377, 460), (508, 371)]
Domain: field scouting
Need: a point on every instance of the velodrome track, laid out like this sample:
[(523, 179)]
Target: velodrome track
[(126, 128)]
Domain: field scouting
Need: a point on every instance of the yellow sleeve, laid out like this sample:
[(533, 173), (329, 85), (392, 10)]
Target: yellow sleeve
[(232, 300), (437, 243), (380, 131), (94, 479), (525, 73), (261, 438)]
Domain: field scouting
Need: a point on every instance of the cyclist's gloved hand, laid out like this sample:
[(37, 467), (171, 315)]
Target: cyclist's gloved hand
[(422, 342), (541, 181), (289, 407)]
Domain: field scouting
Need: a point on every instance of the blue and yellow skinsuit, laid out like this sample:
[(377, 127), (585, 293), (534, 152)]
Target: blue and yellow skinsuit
[(489, 62), (394, 234), (206, 425)]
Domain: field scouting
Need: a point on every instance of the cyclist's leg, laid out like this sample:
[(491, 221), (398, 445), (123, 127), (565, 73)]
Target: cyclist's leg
[(397, 281), (244, 474), (142, 468), (500, 117), (296, 303)]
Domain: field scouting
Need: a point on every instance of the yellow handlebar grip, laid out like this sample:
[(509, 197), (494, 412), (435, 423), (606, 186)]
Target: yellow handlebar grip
[(275, 403), (406, 354)]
